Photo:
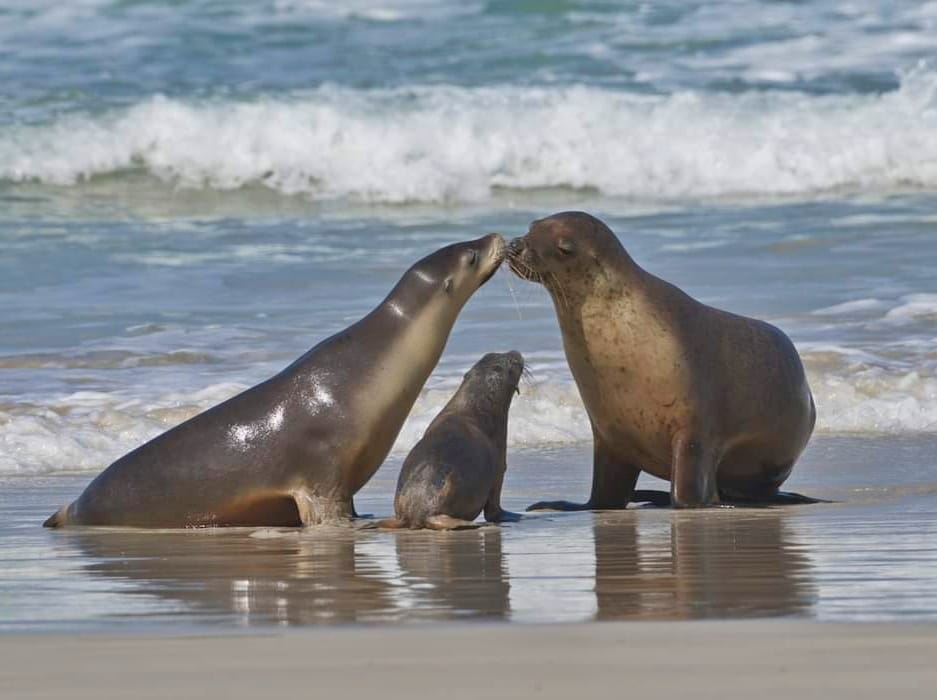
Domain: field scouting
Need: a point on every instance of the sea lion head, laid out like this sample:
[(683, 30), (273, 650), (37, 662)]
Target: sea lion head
[(496, 375), (564, 251), (453, 273)]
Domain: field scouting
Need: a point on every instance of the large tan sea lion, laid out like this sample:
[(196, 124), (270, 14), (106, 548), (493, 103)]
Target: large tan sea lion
[(296, 448), (717, 404)]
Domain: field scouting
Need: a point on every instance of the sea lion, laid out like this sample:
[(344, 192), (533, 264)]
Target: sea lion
[(457, 468), (715, 403), (296, 448)]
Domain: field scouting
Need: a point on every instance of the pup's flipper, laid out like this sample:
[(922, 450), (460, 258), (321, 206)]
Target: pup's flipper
[(385, 524), (447, 522)]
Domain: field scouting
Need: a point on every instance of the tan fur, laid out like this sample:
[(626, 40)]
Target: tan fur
[(706, 399)]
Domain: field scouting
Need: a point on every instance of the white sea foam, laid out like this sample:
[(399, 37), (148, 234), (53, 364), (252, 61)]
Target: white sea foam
[(914, 307), (85, 431), (387, 11), (459, 144), (873, 400), (850, 307)]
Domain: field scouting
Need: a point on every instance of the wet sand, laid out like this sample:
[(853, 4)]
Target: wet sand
[(678, 660)]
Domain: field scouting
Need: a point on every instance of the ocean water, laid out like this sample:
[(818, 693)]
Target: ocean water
[(194, 193)]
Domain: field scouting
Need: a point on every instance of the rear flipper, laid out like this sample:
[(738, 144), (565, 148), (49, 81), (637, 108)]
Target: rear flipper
[(661, 499), (447, 522), (57, 519), (780, 498)]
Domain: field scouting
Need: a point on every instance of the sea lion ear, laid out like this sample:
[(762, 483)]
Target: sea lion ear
[(566, 246), (448, 285)]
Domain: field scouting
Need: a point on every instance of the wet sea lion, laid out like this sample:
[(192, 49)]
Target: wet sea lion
[(456, 470), (296, 448), (718, 404)]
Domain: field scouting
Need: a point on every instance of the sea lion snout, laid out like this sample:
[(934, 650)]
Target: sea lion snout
[(494, 251), (520, 260), (498, 247), (517, 366)]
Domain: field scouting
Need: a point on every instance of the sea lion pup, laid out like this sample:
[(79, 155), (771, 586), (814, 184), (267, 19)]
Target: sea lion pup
[(457, 468), (295, 449), (717, 404)]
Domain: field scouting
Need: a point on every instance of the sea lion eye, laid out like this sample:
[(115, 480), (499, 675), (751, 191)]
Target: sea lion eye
[(566, 246), (473, 257)]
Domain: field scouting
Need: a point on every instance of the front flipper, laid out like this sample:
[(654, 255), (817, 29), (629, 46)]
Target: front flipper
[(693, 475), (502, 516), (319, 510), (560, 505), (612, 483), (494, 513), (660, 499), (356, 514)]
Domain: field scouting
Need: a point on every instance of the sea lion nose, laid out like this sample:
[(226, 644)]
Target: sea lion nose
[(516, 246)]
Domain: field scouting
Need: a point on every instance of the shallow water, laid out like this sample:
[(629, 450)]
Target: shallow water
[(193, 194), (870, 556)]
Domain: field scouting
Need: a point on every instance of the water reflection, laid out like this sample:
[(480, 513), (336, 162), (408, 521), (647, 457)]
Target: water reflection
[(455, 575), (647, 565), (703, 564), (312, 577), (288, 578)]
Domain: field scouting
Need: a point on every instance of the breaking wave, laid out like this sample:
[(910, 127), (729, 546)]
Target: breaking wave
[(452, 144)]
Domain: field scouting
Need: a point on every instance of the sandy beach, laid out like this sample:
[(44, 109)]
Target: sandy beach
[(660, 660)]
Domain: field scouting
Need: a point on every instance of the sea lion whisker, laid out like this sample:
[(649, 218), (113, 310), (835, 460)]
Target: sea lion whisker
[(507, 281), (559, 288), (522, 269)]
